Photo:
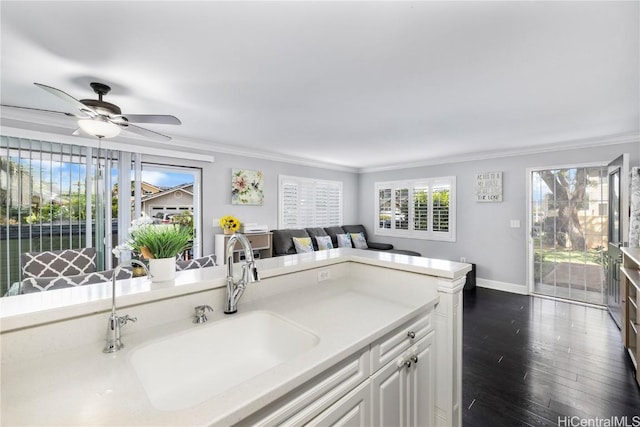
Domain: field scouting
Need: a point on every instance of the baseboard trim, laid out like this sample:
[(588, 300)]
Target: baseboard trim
[(502, 286)]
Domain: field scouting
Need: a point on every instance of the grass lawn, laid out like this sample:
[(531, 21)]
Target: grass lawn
[(592, 256)]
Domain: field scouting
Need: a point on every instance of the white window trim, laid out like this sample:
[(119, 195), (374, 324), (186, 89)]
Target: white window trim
[(448, 236), (286, 178)]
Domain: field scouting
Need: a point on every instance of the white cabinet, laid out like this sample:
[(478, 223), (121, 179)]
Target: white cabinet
[(390, 382), (630, 287), (403, 390), (354, 409), (390, 346), (314, 397), (260, 243)]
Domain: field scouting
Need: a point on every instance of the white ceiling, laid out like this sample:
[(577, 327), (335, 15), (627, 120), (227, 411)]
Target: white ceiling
[(356, 84)]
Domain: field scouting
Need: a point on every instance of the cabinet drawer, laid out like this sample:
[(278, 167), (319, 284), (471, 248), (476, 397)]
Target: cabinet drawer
[(352, 410), (258, 241), (393, 344), (307, 401)]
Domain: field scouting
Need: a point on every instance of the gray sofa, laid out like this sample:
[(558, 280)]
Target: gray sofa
[(283, 239)]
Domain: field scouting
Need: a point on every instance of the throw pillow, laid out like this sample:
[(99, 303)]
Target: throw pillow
[(324, 242), (303, 244), (359, 241), (344, 240)]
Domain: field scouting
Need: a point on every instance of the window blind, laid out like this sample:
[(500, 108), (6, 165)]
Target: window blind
[(305, 202), (46, 195), (423, 208)]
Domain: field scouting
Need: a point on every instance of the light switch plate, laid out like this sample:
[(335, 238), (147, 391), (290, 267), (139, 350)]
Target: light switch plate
[(515, 223)]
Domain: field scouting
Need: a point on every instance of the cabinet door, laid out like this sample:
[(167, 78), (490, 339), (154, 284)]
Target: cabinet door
[(389, 389), (421, 398), (403, 390), (352, 410), (314, 397)]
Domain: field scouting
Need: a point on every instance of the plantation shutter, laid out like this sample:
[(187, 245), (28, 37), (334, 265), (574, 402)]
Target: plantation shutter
[(384, 207), (440, 205), (288, 204), (401, 213), (309, 203), (421, 208)]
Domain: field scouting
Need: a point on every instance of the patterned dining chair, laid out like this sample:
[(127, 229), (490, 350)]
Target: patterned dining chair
[(206, 261), (65, 262), (40, 284)]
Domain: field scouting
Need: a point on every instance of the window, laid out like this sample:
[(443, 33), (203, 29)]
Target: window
[(65, 196), (307, 202), (423, 208), (51, 198)]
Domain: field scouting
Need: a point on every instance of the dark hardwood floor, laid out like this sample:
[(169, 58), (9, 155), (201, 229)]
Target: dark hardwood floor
[(530, 361)]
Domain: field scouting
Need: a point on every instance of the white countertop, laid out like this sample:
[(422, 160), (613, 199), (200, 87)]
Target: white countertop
[(83, 386), (633, 253), (43, 307)]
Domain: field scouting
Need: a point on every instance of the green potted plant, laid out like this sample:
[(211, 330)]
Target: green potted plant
[(159, 243)]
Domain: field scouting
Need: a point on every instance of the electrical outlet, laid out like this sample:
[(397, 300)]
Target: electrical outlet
[(463, 259), (324, 275), (216, 222)]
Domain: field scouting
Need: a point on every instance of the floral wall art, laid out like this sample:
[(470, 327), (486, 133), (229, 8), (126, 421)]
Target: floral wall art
[(247, 187)]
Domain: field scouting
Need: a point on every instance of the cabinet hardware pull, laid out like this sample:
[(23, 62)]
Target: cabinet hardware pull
[(411, 334), (407, 363), (415, 359)]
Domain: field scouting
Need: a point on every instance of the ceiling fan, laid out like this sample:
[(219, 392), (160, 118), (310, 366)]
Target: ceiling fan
[(103, 119)]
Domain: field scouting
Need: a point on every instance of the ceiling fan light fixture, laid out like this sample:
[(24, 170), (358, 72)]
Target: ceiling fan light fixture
[(99, 127)]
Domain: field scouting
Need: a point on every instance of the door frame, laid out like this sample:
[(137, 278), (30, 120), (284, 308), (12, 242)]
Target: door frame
[(529, 228), (618, 165)]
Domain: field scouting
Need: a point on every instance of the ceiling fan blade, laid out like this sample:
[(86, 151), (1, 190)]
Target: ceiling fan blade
[(144, 132), (40, 110), (68, 98), (152, 118)]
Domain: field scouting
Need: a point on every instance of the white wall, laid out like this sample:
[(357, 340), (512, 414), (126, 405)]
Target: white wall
[(484, 235), (216, 188)]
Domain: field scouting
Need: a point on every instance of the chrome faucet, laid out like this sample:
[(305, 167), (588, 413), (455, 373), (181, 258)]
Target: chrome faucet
[(249, 272), (113, 343)]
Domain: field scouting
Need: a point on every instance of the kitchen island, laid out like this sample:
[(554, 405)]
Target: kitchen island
[(374, 326)]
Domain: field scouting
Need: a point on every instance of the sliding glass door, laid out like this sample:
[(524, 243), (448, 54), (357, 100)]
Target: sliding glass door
[(51, 198), (569, 214), (57, 196)]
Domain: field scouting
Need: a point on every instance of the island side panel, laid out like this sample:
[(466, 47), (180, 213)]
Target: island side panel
[(448, 324)]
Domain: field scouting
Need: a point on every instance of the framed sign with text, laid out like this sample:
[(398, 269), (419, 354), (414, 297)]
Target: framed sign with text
[(489, 187)]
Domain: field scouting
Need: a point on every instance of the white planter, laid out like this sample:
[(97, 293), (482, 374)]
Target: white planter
[(162, 269)]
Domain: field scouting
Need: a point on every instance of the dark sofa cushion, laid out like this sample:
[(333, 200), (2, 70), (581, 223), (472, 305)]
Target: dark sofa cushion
[(359, 228), (283, 240), (379, 246), (333, 232), (356, 229), (315, 232), (404, 252)]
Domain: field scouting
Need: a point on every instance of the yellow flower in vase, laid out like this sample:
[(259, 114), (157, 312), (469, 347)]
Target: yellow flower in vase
[(229, 224)]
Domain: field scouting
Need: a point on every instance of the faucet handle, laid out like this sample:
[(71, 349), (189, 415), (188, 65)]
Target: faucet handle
[(200, 316), (126, 318)]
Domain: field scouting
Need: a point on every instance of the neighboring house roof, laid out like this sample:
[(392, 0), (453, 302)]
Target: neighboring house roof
[(144, 185), (150, 187), (186, 188)]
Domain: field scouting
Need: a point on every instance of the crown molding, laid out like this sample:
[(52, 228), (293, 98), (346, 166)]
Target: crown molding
[(46, 127), (600, 141), (14, 132), (23, 122)]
